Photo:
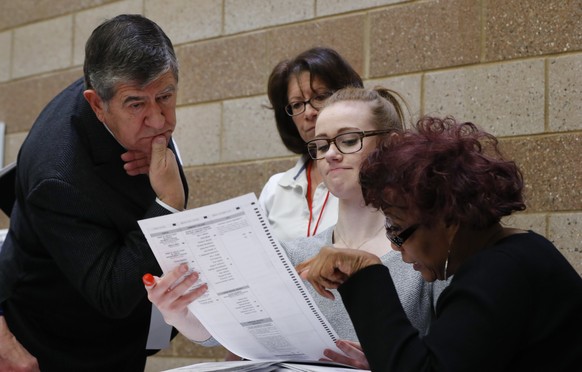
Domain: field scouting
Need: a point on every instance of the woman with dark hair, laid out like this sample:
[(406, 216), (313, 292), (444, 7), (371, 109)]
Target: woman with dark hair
[(514, 301), (296, 202)]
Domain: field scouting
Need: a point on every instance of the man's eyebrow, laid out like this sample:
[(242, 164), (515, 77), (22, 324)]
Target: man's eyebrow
[(130, 99), (169, 89)]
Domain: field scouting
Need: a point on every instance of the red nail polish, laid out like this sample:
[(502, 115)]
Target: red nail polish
[(148, 280)]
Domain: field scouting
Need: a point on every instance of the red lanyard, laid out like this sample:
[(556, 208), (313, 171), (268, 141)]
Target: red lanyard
[(310, 203)]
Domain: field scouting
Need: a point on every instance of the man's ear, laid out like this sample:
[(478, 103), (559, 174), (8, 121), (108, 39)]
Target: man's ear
[(96, 103)]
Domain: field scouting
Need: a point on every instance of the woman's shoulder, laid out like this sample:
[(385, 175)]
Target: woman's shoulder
[(283, 178), (301, 249), (528, 256)]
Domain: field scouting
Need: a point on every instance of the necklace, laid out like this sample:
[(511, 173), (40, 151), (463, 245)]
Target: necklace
[(310, 204), (340, 238)]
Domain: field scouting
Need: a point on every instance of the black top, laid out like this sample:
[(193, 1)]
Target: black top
[(71, 265), (515, 306)]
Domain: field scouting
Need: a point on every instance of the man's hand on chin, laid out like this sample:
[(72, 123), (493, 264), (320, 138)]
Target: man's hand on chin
[(136, 162), (165, 174)]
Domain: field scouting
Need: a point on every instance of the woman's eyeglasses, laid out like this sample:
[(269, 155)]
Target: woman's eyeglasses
[(298, 107), (399, 239), (346, 143)]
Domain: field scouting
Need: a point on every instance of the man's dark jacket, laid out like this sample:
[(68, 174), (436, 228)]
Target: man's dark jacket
[(71, 266)]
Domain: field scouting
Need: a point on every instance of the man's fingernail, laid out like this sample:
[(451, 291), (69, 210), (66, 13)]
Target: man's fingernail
[(148, 280)]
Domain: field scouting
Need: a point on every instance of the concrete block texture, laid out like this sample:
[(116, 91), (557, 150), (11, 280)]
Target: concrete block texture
[(198, 133), (36, 92), (86, 21), (186, 20), (565, 93), (42, 47), (5, 55), (552, 175), (213, 184), (506, 99), (517, 28), (12, 143), (423, 36), (222, 69), (329, 7), (345, 34), (250, 132), (565, 230), (409, 87), (245, 15), (527, 221), (15, 13)]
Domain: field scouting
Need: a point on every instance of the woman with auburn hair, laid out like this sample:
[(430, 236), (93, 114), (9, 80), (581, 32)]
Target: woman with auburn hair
[(513, 303)]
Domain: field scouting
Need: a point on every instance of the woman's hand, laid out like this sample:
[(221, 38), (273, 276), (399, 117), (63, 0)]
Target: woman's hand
[(354, 355), (331, 267), (170, 293)]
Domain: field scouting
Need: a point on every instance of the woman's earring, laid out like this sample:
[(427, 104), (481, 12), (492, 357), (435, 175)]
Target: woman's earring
[(447, 264)]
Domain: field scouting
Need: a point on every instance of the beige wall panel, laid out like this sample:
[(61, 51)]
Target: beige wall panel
[(527, 221), (4, 221), (330, 7), (225, 68), (565, 92), (21, 101), (505, 99), (87, 21), (409, 87), (186, 20), (518, 28), (213, 184), (565, 230), (198, 133), (245, 15), (344, 34), (551, 170), (424, 35), (19, 12), (42, 47), (5, 55), (250, 132), (12, 143)]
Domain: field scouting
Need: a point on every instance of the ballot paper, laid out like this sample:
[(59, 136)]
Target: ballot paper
[(248, 366), (256, 305)]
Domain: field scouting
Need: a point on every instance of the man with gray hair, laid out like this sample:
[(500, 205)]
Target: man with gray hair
[(99, 158)]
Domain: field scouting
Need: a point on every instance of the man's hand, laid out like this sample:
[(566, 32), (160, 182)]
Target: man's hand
[(172, 294), (165, 175), (331, 267), (136, 162), (13, 356)]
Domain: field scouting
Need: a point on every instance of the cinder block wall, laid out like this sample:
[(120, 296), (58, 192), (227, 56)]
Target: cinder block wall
[(511, 66)]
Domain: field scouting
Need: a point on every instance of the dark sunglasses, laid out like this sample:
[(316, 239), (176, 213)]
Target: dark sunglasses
[(399, 239)]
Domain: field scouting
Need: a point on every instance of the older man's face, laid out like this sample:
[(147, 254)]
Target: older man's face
[(136, 115)]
